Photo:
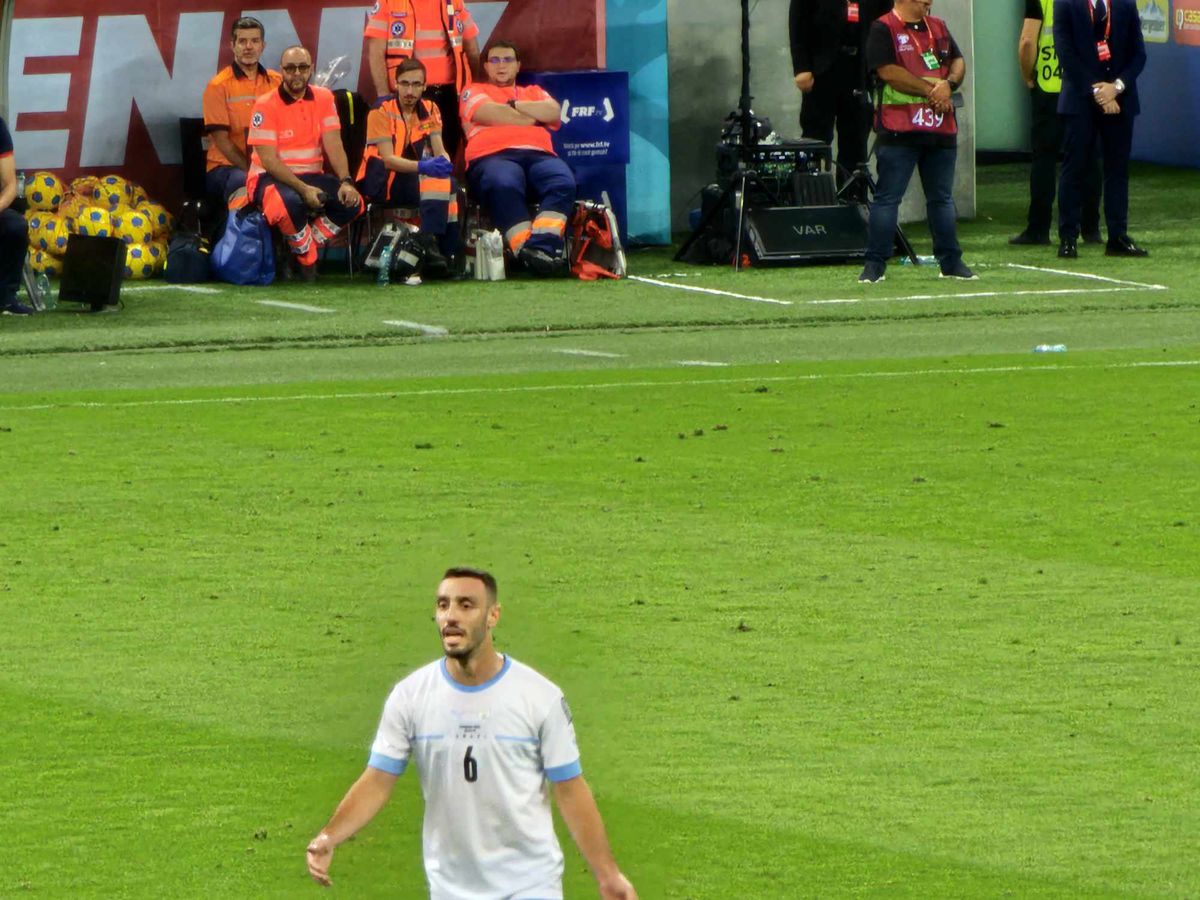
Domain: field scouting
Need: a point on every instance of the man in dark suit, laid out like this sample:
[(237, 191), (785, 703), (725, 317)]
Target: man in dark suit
[(1100, 48), (828, 40)]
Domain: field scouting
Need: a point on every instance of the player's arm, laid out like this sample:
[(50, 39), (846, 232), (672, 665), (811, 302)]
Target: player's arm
[(578, 809), (1027, 45), (364, 799), (220, 137), (376, 50), (8, 181), (471, 49)]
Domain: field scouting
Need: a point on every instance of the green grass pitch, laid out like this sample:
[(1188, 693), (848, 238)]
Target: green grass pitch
[(852, 594)]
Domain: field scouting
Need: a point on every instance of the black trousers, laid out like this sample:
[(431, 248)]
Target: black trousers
[(14, 241), (832, 101), (1115, 134), (446, 98), (1046, 142)]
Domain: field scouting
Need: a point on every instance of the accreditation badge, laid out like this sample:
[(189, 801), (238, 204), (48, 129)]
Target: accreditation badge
[(1102, 51), (852, 13), (931, 60)]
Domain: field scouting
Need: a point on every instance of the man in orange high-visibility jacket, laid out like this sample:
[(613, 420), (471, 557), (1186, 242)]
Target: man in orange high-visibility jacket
[(405, 164), (228, 104), (293, 130), (509, 155), (439, 33)]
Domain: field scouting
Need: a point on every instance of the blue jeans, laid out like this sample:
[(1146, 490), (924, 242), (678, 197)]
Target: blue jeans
[(223, 181), (936, 166)]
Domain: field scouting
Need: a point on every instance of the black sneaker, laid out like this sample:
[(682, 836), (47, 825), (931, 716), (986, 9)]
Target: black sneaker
[(17, 308), (435, 266), (1068, 249), (873, 272), (542, 264), (1028, 238), (959, 270)]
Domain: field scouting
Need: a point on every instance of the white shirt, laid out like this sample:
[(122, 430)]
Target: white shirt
[(484, 755)]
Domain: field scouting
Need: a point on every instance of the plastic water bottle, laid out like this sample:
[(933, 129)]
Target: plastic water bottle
[(385, 266), (21, 183), (1050, 348), (921, 260), (44, 293)]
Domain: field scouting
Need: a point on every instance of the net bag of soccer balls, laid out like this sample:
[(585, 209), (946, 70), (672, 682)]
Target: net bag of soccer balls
[(102, 206)]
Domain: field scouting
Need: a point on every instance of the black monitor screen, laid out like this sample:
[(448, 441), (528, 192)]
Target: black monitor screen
[(92, 271)]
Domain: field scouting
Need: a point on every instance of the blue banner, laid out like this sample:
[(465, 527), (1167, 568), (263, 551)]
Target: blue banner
[(1168, 129)]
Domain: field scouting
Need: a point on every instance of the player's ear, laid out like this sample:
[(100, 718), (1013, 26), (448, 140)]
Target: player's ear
[(493, 615)]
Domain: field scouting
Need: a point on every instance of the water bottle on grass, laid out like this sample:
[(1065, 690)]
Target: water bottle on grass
[(385, 266)]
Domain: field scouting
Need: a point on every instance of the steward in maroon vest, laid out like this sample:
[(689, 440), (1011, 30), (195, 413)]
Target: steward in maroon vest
[(925, 53)]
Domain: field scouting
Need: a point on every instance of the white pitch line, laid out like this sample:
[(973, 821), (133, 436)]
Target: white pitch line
[(189, 288), (597, 353), (701, 290), (432, 330), (1140, 284), (701, 363), (610, 385), (301, 307), (971, 295)]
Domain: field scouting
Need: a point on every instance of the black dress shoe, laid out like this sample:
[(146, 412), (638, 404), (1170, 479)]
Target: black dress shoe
[(1093, 237), (1028, 238), (1067, 249), (1124, 246)]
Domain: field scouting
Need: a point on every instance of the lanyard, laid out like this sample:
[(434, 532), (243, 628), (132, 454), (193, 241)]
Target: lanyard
[(1107, 18), (928, 30)]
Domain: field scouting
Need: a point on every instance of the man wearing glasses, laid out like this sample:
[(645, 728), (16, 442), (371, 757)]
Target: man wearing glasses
[(228, 105), (292, 132), (440, 34), (510, 156), (405, 163)]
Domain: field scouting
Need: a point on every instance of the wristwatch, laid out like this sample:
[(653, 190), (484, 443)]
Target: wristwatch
[(513, 103), (348, 180), (1119, 85)]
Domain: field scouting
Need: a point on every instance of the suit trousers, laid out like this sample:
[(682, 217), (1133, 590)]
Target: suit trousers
[(1046, 142), (1115, 134)]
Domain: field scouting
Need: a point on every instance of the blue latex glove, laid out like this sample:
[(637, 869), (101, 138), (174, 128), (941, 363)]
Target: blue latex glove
[(435, 167)]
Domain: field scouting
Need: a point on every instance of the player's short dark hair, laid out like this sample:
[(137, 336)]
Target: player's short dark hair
[(411, 65), (501, 42), (488, 579), (246, 23)]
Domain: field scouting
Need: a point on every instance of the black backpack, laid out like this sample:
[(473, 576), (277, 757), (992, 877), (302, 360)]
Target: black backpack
[(187, 259)]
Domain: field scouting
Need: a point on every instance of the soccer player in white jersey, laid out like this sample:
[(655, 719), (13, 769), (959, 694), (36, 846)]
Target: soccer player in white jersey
[(490, 737)]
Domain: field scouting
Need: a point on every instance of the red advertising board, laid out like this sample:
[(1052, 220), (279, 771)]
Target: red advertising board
[(1185, 22), (99, 86)]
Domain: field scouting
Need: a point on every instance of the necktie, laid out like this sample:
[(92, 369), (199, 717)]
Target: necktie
[(1101, 11)]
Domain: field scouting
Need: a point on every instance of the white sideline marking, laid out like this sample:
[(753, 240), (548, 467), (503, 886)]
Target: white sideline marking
[(701, 290), (700, 362), (189, 288), (598, 386), (433, 330), (1140, 284), (599, 353), (302, 307), (972, 295)]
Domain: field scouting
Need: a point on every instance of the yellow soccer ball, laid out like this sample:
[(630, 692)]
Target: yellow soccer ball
[(44, 236), (139, 262), (43, 191), (94, 221), (111, 192), (45, 263), (133, 228)]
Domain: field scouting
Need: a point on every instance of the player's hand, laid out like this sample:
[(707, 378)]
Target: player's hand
[(939, 96), (319, 855), (1112, 109), (804, 81), (348, 195), (1105, 92), (617, 888), (313, 197)]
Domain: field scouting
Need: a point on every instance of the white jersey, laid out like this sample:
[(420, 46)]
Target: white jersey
[(484, 755)]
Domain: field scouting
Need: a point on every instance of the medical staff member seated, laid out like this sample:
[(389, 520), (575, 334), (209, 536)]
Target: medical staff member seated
[(510, 157), (406, 164)]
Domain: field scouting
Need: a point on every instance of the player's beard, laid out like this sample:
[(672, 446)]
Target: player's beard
[(466, 647)]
